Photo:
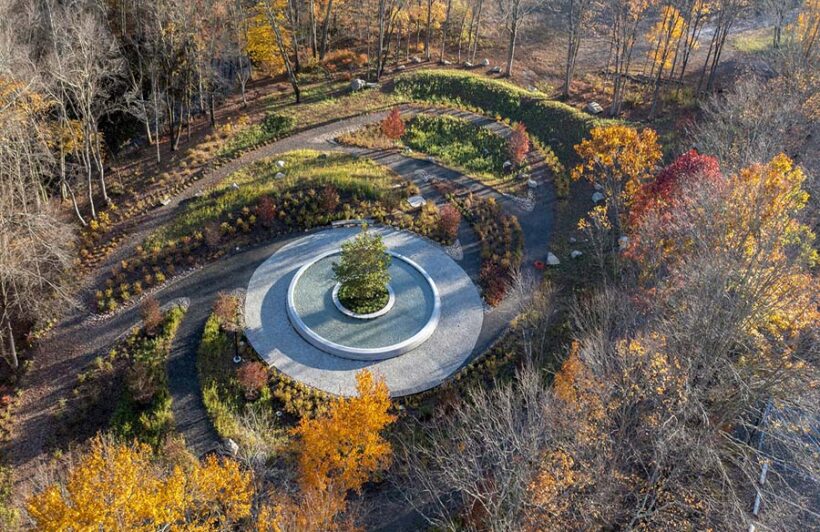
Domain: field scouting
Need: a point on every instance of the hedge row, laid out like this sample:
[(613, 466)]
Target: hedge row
[(554, 124)]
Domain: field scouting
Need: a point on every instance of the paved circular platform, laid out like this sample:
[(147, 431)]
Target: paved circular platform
[(270, 332)]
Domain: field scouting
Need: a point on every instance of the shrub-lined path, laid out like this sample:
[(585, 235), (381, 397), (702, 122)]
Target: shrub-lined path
[(74, 343)]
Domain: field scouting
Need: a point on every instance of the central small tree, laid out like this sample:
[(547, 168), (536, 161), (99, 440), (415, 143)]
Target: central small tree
[(362, 273)]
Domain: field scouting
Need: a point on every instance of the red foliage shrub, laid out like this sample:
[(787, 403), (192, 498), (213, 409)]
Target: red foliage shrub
[(252, 377), (151, 315), (329, 199), (494, 280), (266, 211), (663, 190), (449, 220), (518, 145), (393, 125)]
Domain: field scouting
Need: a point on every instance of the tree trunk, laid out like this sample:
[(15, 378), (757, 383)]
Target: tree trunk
[(13, 361), (325, 29), (429, 30), (511, 46)]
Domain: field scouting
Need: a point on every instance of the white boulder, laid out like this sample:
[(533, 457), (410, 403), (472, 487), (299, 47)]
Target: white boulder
[(231, 446), (623, 242), (416, 201), (235, 186), (280, 164), (357, 84), (279, 175), (485, 62), (594, 108), (552, 260), (532, 183), (575, 254), (597, 197)]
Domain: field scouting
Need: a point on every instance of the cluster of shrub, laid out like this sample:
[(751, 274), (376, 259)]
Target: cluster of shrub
[(133, 372), (554, 127), (502, 244), (251, 136), (229, 389)]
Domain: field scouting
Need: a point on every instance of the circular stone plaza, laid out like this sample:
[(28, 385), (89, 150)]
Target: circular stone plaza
[(425, 332)]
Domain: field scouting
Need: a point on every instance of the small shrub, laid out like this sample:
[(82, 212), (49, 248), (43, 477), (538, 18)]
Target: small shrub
[(252, 377), (518, 145), (449, 220), (393, 125), (151, 315), (212, 234), (266, 211)]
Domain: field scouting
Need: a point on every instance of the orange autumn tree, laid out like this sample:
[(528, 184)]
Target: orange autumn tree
[(338, 452), (619, 159), (121, 487), (518, 145), (393, 125)]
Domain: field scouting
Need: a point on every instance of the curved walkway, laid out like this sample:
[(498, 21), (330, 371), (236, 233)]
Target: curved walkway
[(74, 343)]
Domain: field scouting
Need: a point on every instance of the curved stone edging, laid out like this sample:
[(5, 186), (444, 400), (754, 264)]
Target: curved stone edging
[(362, 353), (391, 300), (273, 336)]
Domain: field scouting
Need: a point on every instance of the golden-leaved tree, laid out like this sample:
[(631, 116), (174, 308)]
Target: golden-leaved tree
[(121, 487), (337, 452), (618, 159)]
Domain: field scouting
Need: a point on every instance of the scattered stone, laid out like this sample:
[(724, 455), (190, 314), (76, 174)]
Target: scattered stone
[(623, 242), (552, 260), (357, 84), (237, 359), (495, 70), (597, 197), (445, 62), (485, 62), (415, 59), (507, 166), (399, 68), (532, 88), (572, 240), (231, 446), (594, 108), (575, 254), (372, 85), (199, 193), (280, 164), (599, 187), (416, 202), (279, 175), (532, 183), (165, 201), (468, 64), (235, 186)]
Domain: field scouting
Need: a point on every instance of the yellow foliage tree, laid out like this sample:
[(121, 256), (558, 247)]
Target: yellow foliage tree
[(806, 29), (619, 159), (260, 41), (120, 487), (338, 451)]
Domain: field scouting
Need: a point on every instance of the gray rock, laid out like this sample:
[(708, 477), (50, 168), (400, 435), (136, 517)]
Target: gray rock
[(597, 197), (495, 70), (165, 201), (532, 183), (445, 62), (599, 187), (416, 201), (416, 59), (231, 446), (485, 62), (507, 166), (468, 64), (552, 260), (280, 164), (372, 85), (235, 186), (279, 175), (572, 240), (399, 68), (594, 108), (575, 254), (357, 84), (623, 242), (532, 88)]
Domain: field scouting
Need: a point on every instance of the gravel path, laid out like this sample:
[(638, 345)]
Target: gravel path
[(75, 342)]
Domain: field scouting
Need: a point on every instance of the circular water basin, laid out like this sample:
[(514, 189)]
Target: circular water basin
[(409, 322)]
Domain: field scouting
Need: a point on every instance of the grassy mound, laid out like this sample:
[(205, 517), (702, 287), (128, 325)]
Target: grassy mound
[(552, 123), (355, 179)]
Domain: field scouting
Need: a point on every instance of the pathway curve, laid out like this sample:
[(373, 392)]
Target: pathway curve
[(76, 341)]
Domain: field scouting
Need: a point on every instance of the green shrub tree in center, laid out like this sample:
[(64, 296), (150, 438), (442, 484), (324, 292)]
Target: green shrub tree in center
[(362, 273)]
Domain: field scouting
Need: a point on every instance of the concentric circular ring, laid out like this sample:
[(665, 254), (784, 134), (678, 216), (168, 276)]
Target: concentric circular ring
[(363, 353), (391, 300)]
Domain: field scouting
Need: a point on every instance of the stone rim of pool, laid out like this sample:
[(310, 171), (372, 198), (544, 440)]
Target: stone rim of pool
[(363, 353), (391, 300)]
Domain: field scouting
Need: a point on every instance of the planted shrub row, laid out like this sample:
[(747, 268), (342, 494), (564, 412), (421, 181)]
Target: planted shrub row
[(502, 244)]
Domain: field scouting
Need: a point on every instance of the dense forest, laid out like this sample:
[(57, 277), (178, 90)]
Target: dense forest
[(633, 183)]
